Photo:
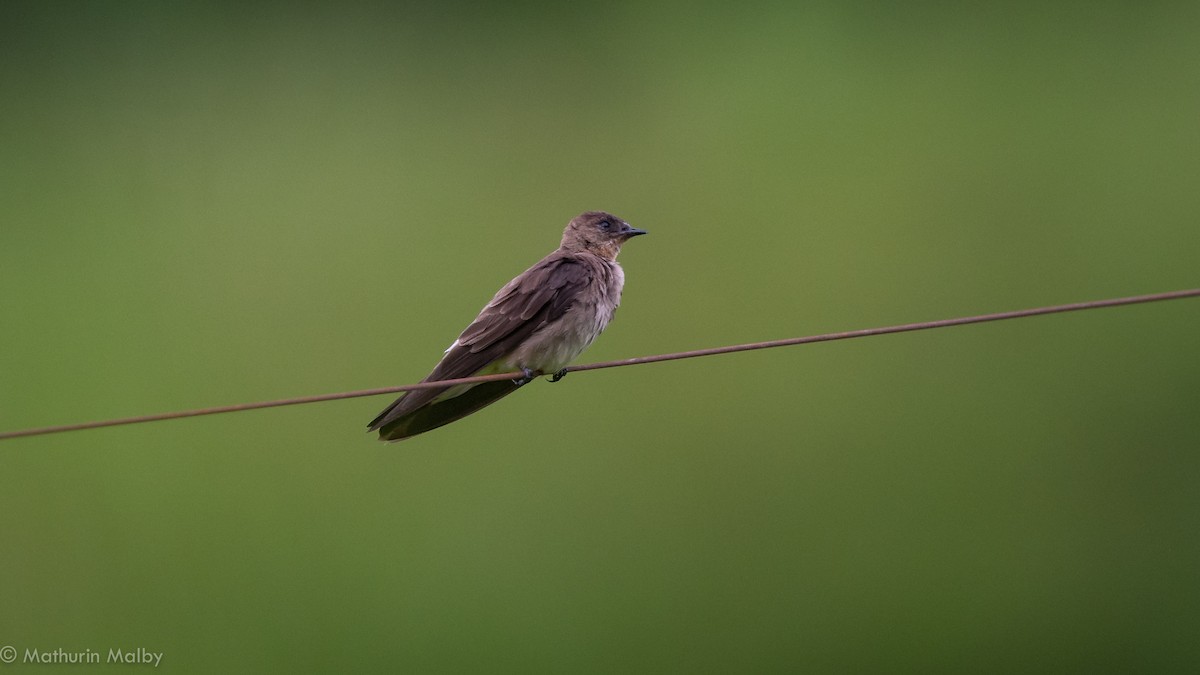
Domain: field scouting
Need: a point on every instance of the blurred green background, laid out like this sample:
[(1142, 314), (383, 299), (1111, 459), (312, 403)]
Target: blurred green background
[(204, 204)]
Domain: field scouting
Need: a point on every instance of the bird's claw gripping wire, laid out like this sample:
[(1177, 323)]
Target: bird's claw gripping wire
[(528, 377), (559, 375)]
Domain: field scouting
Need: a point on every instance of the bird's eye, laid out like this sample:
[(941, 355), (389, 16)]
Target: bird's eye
[(605, 225)]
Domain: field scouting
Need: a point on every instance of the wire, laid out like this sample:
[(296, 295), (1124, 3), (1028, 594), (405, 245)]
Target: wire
[(826, 337)]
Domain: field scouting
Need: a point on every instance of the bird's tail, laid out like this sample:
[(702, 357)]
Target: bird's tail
[(439, 412)]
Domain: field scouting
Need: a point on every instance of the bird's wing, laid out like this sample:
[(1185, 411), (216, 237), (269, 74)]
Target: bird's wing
[(537, 297)]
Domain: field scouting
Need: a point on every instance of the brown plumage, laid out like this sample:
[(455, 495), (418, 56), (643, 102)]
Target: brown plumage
[(539, 321)]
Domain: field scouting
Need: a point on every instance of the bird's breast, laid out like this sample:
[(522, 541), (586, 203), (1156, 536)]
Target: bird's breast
[(556, 344)]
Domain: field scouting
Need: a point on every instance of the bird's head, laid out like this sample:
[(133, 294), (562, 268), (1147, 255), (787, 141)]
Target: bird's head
[(598, 232)]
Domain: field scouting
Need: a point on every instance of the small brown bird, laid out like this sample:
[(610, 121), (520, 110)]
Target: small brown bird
[(539, 322)]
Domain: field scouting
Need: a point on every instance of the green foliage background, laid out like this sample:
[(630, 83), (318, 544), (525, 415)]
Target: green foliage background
[(212, 203)]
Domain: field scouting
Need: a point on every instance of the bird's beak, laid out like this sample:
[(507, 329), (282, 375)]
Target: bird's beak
[(630, 231)]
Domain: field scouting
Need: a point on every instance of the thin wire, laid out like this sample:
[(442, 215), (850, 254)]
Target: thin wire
[(674, 356)]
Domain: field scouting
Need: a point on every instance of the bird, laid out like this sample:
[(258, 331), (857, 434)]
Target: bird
[(536, 324)]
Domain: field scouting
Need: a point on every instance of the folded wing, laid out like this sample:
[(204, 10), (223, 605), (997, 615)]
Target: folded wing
[(535, 299)]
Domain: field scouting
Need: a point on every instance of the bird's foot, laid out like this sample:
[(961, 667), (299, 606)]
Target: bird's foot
[(528, 377), (559, 375)]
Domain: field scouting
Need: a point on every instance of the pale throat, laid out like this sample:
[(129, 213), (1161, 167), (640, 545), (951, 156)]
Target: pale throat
[(607, 250)]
